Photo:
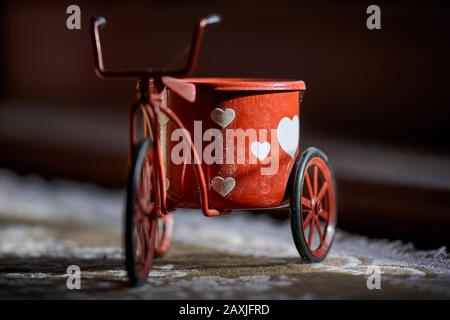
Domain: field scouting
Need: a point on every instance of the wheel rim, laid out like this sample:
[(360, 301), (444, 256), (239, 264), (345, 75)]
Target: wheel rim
[(145, 217), (318, 207)]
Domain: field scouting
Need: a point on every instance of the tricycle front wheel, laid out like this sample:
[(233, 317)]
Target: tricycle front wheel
[(140, 215), (313, 205)]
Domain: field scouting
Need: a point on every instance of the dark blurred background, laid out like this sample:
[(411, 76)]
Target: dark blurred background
[(377, 101)]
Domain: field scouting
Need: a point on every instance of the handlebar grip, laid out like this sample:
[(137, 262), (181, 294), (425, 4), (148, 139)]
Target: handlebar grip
[(212, 20), (100, 21)]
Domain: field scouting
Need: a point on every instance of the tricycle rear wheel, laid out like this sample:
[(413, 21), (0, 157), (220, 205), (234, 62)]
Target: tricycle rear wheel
[(141, 213), (313, 205)]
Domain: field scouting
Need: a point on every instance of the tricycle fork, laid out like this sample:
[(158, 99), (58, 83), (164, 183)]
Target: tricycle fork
[(147, 118), (156, 105), (151, 126)]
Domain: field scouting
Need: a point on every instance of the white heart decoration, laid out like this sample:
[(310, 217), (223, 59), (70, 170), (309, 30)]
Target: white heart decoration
[(223, 117), (223, 186), (260, 150), (288, 135)]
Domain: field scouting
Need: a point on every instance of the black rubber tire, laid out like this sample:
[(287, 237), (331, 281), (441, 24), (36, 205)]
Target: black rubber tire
[(296, 217)]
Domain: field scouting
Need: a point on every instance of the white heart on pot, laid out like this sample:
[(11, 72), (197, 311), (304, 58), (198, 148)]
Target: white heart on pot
[(223, 186), (288, 135), (222, 117), (260, 150)]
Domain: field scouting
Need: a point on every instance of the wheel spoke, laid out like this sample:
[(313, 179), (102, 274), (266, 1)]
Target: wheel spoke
[(308, 219), (306, 202), (142, 240), (308, 183), (322, 191), (311, 231), (323, 214), (158, 234), (316, 219), (146, 228), (139, 215), (316, 174), (148, 209)]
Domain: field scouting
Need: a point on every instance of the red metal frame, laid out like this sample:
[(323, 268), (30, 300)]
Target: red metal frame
[(149, 99)]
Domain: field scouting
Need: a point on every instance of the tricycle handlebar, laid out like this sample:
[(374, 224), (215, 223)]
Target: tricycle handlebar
[(100, 22)]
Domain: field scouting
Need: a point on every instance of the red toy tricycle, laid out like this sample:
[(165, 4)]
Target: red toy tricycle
[(238, 140)]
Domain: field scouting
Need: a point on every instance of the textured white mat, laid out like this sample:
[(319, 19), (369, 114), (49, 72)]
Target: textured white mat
[(40, 203)]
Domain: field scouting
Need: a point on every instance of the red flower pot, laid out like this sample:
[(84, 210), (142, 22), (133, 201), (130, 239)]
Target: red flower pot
[(246, 132)]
